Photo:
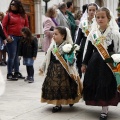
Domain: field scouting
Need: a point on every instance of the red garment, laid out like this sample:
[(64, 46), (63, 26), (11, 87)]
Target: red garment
[(14, 24)]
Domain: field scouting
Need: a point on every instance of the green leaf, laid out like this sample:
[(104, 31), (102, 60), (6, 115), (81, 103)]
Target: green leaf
[(109, 60)]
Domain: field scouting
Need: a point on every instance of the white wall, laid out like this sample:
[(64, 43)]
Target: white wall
[(4, 4)]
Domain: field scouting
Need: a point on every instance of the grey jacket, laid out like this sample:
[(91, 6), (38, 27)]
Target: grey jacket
[(62, 20)]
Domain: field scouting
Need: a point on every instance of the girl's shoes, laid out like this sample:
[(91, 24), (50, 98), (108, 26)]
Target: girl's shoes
[(56, 109), (26, 79), (103, 116), (29, 79)]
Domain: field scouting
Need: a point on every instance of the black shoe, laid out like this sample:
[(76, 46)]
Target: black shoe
[(30, 79), (56, 109), (19, 75), (26, 79), (11, 77), (103, 116), (71, 105)]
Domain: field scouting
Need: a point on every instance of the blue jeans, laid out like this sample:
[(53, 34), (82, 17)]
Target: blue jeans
[(13, 60)]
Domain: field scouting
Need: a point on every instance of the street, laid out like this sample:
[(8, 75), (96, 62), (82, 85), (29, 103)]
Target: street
[(21, 101)]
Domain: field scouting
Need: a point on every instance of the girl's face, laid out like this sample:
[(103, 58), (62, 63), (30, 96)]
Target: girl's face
[(58, 38), (91, 11), (23, 34), (102, 19)]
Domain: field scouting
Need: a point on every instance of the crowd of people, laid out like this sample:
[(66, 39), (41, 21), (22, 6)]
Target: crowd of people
[(97, 34), (82, 45)]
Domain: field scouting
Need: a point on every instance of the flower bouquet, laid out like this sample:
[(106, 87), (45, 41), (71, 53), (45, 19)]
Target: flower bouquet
[(115, 59), (69, 51)]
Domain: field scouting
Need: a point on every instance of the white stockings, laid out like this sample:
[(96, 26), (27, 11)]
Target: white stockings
[(105, 109)]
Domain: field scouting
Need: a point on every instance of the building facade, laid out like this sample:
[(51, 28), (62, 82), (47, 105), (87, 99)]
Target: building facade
[(35, 10)]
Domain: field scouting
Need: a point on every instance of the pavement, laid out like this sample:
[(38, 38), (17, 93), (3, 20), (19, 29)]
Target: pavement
[(21, 101)]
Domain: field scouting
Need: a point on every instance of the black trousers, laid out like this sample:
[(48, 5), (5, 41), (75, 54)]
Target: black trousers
[(30, 71)]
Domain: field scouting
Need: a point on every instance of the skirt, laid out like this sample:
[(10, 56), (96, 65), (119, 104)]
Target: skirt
[(99, 85), (28, 61), (58, 88)]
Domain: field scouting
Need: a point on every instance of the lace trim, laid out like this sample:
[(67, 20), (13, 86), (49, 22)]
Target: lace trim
[(63, 101)]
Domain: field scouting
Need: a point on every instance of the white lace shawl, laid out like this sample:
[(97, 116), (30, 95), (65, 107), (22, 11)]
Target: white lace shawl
[(110, 34)]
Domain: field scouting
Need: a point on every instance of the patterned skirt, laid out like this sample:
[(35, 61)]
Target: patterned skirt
[(58, 88)]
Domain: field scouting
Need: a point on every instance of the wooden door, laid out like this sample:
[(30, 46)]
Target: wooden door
[(29, 8)]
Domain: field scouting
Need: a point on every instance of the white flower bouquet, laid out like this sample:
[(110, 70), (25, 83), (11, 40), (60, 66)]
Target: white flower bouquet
[(116, 58), (69, 51)]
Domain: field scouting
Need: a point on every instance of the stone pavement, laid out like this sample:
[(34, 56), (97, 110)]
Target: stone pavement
[(21, 101)]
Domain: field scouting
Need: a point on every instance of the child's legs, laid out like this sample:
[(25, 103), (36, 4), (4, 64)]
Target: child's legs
[(27, 70), (30, 71)]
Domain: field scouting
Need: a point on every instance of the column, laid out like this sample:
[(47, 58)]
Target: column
[(38, 21), (38, 16)]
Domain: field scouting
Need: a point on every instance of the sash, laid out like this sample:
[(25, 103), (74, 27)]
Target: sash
[(97, 42), (85, 27), (64, 64)]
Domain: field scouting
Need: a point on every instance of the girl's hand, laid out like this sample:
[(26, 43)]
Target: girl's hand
[(83, 68), (34, 58), (9, 39), (5, 42)]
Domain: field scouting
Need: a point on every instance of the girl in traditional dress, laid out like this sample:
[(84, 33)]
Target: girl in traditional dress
[(100, 86), (83, 31), (62, 83)]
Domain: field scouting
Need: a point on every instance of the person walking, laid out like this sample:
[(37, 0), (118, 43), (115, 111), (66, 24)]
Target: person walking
[(100, 86), (83, 31), (48, 26), (62, 84)]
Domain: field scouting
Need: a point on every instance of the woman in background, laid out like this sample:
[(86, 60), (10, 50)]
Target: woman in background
[(48, 26), (13, 22)]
